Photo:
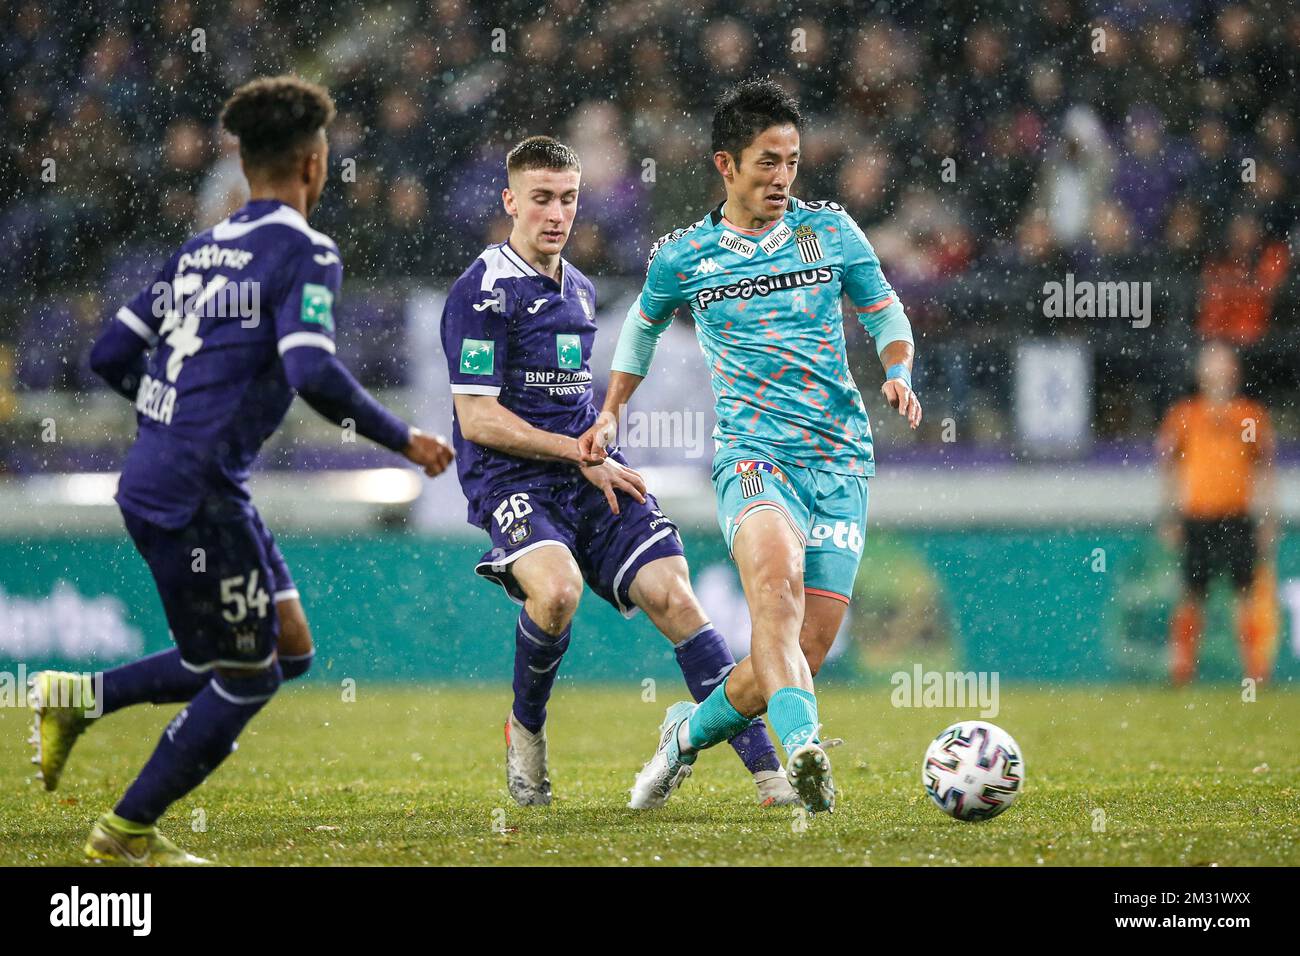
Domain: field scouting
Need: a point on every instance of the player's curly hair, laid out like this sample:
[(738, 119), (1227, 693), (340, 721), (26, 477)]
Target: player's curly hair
[(746, 110), (541, 152), (274, 117)]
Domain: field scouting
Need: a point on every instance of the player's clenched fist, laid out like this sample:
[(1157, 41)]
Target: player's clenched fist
[(430, 452), (609, 476), (592, 442), (900, 395)]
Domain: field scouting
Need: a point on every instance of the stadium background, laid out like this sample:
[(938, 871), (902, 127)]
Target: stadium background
[(1013, 533)]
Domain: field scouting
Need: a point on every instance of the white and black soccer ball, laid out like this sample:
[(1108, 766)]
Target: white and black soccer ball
[(973, 770)]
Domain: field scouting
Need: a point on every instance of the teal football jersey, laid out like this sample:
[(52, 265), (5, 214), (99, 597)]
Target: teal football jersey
[(767, 309)]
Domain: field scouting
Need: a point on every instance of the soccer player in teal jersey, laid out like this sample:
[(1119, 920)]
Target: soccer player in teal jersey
[(763, 275)]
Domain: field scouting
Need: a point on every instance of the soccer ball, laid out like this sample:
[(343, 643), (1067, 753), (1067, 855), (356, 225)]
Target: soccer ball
[(973, 770)]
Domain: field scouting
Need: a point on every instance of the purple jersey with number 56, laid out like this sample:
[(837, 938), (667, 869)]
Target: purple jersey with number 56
[(510, 332)]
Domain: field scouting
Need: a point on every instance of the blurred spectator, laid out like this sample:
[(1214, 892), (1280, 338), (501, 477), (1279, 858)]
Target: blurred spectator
[(1125, 158), (1075, 176), (1238, 283)]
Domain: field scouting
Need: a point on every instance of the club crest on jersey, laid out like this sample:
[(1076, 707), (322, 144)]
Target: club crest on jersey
[(317, 305), (519, 532), (585, 300), (568, 351), (806, 241), (246, 641), (751, 484), (477, 356), (776, 238), (741, 247)]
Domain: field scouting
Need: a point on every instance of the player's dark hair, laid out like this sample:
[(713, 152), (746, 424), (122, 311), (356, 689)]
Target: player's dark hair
[(541, 152), (275, 118), (746, 110)]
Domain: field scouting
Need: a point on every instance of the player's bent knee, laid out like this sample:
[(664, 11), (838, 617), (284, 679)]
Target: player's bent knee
[(556, 604), (776, 593)]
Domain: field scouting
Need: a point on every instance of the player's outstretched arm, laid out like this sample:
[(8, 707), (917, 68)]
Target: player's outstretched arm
[(485, 421), (592, 442), (896, 357), (330, 389), (647, 320)]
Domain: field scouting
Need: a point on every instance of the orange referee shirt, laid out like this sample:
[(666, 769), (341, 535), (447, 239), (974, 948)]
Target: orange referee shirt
[(1214, 458)]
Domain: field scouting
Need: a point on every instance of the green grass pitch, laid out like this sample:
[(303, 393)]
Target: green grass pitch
[(414, 775)]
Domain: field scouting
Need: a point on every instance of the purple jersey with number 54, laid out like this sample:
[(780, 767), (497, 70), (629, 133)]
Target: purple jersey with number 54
[(219, 315)]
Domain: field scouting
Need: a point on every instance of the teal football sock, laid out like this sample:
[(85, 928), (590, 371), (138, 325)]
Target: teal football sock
[(715, 720), (792, 712)]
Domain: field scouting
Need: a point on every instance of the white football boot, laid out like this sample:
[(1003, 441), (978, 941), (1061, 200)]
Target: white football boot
[(526, 775), (774, 789), (668, 767)]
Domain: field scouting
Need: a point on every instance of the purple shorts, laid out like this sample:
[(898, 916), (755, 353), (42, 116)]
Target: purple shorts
[(220, 579), (609, 548)]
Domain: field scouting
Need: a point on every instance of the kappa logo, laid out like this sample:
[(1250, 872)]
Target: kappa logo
[(326, 259), (668, 238), (536, 306), (707, 267)]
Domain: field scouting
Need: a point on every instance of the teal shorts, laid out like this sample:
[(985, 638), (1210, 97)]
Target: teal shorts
[(827, 511)]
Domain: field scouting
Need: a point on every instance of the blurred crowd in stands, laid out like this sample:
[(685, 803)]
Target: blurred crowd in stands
[(986, 150)]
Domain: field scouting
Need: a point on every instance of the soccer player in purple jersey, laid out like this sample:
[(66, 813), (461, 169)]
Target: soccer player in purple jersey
[(517, 330), (239, 319)]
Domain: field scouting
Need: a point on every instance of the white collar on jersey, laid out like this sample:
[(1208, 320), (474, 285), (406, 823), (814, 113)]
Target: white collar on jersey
[(520, 263), (283, 215)]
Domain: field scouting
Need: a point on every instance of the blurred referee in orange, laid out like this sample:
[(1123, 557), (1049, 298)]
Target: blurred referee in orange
[(1216, 453)]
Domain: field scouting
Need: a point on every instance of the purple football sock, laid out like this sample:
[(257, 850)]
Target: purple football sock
[(195, 742), (157, 679), (537, 660), (705, 661)]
